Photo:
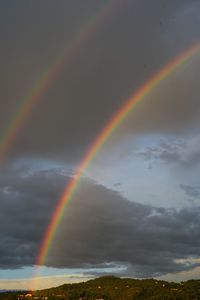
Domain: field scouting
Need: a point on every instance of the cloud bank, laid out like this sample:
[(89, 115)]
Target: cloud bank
[(100, 228)]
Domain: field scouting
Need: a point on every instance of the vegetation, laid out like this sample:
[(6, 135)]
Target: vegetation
[(110, 288)]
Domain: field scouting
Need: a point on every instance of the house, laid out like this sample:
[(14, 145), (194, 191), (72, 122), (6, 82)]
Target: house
[(29, 295)]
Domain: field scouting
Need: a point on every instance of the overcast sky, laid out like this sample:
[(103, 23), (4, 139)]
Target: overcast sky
[(136, 212)]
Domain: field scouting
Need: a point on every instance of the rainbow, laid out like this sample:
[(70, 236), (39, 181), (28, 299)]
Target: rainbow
[(63, 58), (100, 140)]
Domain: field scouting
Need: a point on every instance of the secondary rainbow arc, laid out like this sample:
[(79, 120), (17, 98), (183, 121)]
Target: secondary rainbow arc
[(64, 57), (100, 140)]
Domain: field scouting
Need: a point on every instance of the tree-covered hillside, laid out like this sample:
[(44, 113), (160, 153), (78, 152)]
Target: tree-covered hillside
[(114, 288)]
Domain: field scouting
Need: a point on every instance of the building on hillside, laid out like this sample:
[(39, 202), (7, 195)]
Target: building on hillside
[(27, 296)]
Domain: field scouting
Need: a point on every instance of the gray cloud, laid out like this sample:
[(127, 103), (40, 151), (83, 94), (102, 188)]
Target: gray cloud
[(180, 152), (108, 228), (169, 152), (192, 191), (100, 229)]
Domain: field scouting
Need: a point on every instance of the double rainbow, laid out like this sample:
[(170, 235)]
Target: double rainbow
[(26, 106)]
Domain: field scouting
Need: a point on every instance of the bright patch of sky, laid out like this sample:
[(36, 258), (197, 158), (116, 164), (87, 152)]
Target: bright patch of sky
[(48, 277), (141, 179), (29, 272)]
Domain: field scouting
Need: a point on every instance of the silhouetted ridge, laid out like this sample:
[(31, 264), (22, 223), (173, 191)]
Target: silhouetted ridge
[(114, 288)]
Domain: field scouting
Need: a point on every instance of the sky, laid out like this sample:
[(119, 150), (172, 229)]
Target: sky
[(136, 211)]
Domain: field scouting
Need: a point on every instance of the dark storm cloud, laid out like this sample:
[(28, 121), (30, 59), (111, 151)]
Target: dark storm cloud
[(110, 229), (125, 50), (100, 229), (27, 202)]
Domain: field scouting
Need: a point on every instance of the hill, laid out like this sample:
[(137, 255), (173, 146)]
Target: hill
[(110, 288)]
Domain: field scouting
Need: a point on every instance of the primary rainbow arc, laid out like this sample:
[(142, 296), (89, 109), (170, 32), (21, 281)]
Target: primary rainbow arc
[(100, 140)]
